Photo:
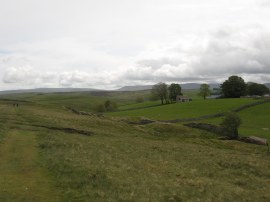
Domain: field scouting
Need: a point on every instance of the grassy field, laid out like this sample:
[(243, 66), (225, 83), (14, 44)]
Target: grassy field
[(192, 109), (43, 160), (255, 121), (86, 101)]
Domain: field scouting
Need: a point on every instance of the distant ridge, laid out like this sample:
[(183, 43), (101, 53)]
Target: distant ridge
[(185, 86), (135, 88), (195, 86), (48, 90)]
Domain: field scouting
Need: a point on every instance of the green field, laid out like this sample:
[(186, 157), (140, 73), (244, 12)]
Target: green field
[(44, 156), (255, 121), (192, 109), (86, 101)]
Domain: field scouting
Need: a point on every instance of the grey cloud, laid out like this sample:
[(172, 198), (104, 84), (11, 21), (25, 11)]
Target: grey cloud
[(73, 78), (19, 75), (158, 63), (227, 51), (26, 76)]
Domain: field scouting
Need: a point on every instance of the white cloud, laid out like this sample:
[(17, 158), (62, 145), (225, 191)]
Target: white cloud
[(26, 75), (111, 43), (212, 56)]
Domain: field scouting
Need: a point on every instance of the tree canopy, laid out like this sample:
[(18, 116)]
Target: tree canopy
[(204, 90), (160, 90), (174, 90), (257, 89), (234, 87)]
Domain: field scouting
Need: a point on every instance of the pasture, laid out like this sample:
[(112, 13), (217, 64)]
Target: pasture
[(49, 153), (192, 109)]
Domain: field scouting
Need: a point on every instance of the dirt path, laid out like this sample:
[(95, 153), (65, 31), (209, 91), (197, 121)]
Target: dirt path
[(21, 178)]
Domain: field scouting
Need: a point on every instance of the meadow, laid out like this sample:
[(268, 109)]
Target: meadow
[(42, 159), (192, 109)]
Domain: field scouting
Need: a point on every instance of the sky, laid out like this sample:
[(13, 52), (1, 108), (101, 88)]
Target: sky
[(107, 44)]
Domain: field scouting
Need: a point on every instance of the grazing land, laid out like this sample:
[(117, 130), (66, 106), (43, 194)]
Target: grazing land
[(191, 109), (255, 121), (49, 153)]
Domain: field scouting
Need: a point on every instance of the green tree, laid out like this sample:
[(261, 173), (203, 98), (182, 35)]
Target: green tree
[(110, 106), (160, 90), (230, 125), (234, 87), (256, 89), (174, 90), (204, 90)]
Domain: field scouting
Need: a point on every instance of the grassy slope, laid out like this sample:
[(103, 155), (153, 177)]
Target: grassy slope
[(255, 121), (192, 109), (85, 101), (21, 176), (156, 162)]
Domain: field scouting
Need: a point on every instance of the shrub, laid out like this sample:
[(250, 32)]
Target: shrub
[(139, 99), (110, 106), (100, 108), (230, 125)]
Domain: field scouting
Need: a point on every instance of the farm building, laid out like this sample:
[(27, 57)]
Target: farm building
[(181, 98)]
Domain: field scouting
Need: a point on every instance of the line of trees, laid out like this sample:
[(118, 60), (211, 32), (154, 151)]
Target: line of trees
[(235, 87), (166, 94)]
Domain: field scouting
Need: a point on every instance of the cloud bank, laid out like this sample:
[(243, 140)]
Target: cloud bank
[(111, 44)]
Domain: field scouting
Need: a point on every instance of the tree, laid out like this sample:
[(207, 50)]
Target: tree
[(160, 90), (234, 87), (174, 90), (110, 106), (204, 90), (230, 125), (256, 89)]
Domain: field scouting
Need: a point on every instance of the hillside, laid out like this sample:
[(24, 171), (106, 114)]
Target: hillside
[(48, 90), (185, 86), (49, 153)]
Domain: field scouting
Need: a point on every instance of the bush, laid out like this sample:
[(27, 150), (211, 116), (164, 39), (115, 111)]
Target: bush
[(230, 125), (139, 99), (100, 108), (110, 106)]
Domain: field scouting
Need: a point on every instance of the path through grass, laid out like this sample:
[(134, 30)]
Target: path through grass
[(21, 177)]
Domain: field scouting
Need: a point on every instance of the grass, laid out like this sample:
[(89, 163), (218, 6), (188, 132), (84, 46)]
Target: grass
[(122, 162), (255, 121), (136, 106), (85, 101), (192, 109), (21, 177)]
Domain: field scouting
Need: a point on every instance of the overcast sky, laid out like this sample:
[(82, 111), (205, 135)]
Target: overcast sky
[(113, 43)]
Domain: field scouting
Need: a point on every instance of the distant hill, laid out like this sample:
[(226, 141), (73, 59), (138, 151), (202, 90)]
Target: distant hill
[(135, 88), (190, 86), (48, 90), (185, 86)]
